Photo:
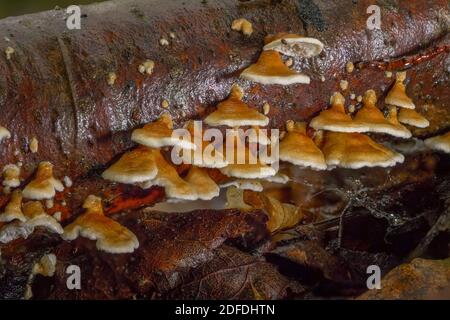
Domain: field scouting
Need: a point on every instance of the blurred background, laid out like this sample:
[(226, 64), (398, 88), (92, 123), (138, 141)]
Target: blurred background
[(19, 7)]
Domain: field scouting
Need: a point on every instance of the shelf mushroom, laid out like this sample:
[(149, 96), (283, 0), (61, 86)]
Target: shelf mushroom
[(270, 69), (299, 149), (37, 217), (168, 178), (159, 134), (110, 235), (335, 118), (4, 133), (397, 95), (370, 117), (205, 155), (135, 166), (356, 150), (44, 185), (201, 182), (293, 45), (233, 112), (412, 118), (13, 210), (244, 164), (441, 143)]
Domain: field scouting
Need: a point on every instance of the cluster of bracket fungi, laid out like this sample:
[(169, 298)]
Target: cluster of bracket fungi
[(334, 138)]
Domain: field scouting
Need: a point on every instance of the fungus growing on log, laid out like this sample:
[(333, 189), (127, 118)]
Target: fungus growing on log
[(233, 112), (110, 236), (137, 165), (159, 134), (293, 45), (440, 143), (356, 150), (13, 210), (270, 69), (397, 95), (412, 118), (335, 118), (44, 185), (299, 149), (11, 176), (371, 118)]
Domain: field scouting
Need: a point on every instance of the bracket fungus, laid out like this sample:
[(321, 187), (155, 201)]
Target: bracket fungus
[(202, 184), (244, 164), (371, 118), (412, 118), (205, 155), (441, 143), (137, 165), (397, 95), (13, 210), (270, 69), (44, 184), (299, 149), (159, 134), (110, 235), (37, 217), (335, 118), (233, 112), (4, 133), (293, 45), (356, 150), (168, 178), (11, 176)]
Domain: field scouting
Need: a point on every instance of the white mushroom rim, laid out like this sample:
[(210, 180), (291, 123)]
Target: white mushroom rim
[(238, 146)]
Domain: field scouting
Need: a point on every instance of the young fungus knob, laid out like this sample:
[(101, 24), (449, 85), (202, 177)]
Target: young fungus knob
[(397, 95), (242, 25), (294, 45), (167, 177), (299, 149), (110, 235), (44, 185), (270, 69)]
